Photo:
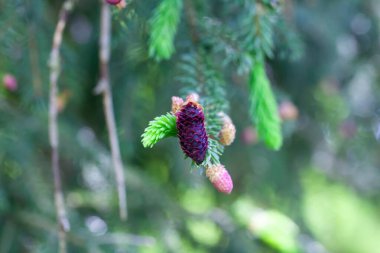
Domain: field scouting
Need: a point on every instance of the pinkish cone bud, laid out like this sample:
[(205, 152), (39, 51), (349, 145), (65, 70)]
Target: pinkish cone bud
[(288, 111), (228, 131), (220, 178), (10, 82), (177, 103), (249, 136)]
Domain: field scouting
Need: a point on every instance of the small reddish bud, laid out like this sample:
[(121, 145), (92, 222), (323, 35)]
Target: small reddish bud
[(177, 103), (288, 111), (10, 82), (228, 131), (249, 136), (220, 178)]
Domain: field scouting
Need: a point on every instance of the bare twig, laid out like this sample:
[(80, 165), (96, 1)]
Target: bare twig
[(191, 21), (63, 222), (104, 88)]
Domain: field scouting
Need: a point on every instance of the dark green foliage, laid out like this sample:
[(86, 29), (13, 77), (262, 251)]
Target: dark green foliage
[(163, 28), (254, 36)]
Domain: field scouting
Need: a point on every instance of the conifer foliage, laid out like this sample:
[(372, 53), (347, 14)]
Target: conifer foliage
[(263, 107), (225, 64), (158, 129), (163, 28), (245, 48)]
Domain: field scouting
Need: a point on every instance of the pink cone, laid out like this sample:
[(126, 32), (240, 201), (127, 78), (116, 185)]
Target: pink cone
[(220, 178), (10, 82)]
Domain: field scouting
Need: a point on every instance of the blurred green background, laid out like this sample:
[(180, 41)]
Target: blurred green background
[(320, 193)]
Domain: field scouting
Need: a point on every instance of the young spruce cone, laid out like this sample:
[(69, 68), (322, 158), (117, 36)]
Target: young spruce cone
[(191, 130), (220, 178), (228, 131)]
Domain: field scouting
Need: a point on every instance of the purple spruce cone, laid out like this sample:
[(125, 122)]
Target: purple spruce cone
[(191, 130)]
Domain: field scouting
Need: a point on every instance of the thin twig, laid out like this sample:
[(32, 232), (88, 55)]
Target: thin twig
[(104, 88), (63, 222), (191, 21)]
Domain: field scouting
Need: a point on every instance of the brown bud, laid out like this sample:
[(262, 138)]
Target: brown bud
[(62, 100), (228, 131)]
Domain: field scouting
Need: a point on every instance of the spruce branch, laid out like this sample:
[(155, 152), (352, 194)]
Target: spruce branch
[(263, 107), (253, 39), (54, 64), (263, 21), (104, 88), (158, 129), (163, 27), (214, 151)]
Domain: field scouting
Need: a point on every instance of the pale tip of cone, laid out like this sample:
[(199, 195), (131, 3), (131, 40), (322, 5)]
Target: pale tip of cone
[(177, 102), (194, 97)]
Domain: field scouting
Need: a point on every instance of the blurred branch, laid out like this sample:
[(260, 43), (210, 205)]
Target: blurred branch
[(7, 236), (86, 239), (63, 222), (191, 19), (127, 239), (104, 88)]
